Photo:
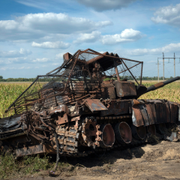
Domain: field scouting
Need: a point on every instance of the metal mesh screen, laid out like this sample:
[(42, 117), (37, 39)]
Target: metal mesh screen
[(75, 79)]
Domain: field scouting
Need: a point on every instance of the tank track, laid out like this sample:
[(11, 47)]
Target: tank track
[(71, 141)]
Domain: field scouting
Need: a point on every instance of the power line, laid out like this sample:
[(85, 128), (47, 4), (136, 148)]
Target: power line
[(169, 58)]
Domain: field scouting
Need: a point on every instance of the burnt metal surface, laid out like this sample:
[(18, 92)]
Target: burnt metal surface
[(95, 105), (89, 103), (37, 149), (151, 112), (117, 107)]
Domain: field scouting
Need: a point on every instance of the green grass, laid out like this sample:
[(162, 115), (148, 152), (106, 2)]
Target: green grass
[(170, 92), (9, 167), (30, 165), (8, 93)]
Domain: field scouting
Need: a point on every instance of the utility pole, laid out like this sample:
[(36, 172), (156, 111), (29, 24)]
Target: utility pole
[(174, 65), (158, 68), (163, 65), (169, 58)]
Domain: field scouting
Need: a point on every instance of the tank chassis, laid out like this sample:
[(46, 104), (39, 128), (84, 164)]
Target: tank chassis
[(90, 103)]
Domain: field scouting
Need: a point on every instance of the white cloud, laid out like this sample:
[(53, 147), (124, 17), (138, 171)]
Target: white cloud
[(173, 47), (60, 55), (168, 15), (88, 37), (14, 53), (41, 60), (55, 64), (35, 4), (128, 35), (46, 4), (101, 5), (51, 45), (34, 26), (13, 68)]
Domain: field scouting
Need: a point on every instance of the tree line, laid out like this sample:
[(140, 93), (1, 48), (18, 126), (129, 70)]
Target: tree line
[(47, 79)]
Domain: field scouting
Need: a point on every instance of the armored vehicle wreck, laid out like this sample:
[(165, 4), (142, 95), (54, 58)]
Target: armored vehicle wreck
[(89, 103)]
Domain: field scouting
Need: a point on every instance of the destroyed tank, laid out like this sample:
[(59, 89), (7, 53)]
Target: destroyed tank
[(89, 103)]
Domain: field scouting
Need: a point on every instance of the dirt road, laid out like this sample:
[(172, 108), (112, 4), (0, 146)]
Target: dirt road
[(148, 162)]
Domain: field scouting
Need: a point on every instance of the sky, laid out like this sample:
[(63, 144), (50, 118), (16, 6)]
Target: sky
[(34, 34)]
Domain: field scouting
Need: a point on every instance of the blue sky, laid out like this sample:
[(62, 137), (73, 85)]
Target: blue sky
[(36, 33)]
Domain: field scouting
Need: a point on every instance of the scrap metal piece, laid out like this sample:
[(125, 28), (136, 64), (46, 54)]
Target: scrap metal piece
[(30, 150), (95, 105), (172, 137)]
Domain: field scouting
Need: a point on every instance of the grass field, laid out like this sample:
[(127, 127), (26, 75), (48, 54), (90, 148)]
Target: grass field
[(170, 92), (8, 93)]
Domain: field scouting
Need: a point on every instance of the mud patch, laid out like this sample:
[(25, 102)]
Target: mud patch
[(148, 162)]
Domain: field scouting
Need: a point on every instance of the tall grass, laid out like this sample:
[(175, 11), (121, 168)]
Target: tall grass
[(8, 93), (170, 92)]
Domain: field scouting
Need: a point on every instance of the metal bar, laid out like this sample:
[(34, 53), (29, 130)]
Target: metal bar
[(116, 57), (71, 71), (117, 74), (163, 65), (141, 73), (158, 68), (110, 55), (130, 72), (161, 84), (127, 69), (20, 95), (60, 67)]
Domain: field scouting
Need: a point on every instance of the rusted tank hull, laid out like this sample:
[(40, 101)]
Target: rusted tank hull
[(88, 104), (90, 131)]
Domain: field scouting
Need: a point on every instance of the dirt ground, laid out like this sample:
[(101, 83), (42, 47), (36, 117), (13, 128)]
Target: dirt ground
[(146, 162)]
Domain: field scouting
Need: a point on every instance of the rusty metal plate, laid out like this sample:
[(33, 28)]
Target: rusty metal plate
[(108, 90), (37, 149), (137, 117), (117, 108), (161, 112), (144, 114), (62, 120), (151, 113), (168, 112), (125, 88), (95, 105), (174, 112), (59, 109)]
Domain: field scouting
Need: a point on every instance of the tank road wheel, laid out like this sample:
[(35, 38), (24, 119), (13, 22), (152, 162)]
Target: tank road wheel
[(151, 129), (95, 135), (123, 133), (161, 128), (139, 133), (107, 136)]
